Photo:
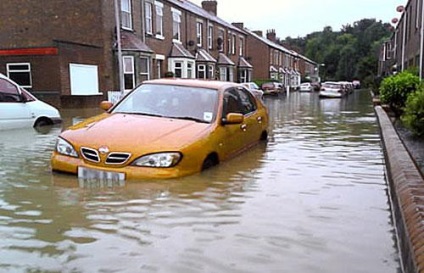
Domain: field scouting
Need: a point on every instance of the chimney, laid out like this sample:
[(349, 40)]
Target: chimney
[(270, 35), (238, 25), (258, 32), (210, 6)]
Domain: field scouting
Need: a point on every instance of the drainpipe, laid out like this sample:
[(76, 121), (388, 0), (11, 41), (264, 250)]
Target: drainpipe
[(422, 39), (118, 41), (403, 40)]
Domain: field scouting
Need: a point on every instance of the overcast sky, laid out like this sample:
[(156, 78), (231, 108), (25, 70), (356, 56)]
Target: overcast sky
[(297, 18)]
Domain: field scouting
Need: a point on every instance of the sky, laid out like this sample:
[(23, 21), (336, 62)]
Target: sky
[(297, 18)]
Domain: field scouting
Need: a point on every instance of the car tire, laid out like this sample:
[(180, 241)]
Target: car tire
[(210, 161), (42, 122)]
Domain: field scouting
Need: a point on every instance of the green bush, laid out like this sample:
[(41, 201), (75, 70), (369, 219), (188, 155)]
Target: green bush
[(413, 115), (394, 90)]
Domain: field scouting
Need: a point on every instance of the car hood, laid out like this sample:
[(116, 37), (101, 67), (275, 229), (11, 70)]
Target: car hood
[(127, 132)]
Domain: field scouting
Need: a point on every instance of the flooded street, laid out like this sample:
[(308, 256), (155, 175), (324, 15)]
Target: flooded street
[(312, 199)]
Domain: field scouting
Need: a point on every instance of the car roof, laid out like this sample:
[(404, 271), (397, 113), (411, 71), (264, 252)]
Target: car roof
[(211, 84)]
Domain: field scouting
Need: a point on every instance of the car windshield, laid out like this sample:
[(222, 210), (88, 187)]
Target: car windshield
[(171, 101), (331, 85)]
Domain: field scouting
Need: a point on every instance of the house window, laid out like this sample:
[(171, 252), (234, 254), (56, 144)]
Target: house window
[(126, 20), (201, 71), (211, 71), (129, 80), (20, 73), (199, 33), (233, 44), (178, 69), (241, 45), (144, 69), (210, 37), (176, 26), (243, 75), (223, 73), (220, 40), (182, 68), (189, 70), (159, 19), (148, 17)]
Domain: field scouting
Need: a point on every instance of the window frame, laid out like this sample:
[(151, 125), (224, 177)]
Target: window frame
[(159, 20), (11, 71), (148, 17), (199, 33), (176, 25), (128, 72), (126, 14)]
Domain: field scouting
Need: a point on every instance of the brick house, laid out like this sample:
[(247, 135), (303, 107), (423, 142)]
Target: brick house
[(273, 61), (404, 49), (68, 54)]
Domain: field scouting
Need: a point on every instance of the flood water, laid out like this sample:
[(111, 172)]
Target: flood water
[(312, 199)]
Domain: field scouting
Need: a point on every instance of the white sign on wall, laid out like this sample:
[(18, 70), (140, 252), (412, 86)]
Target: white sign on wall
[(84, 79)]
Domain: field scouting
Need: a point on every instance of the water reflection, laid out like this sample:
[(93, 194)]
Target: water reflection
[(312, 199)]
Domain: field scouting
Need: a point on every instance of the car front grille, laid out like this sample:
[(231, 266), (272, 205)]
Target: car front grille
[(90, 154), (114, 158), (117, 158)]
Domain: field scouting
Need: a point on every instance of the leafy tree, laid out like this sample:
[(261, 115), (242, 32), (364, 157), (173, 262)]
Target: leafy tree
[(351, 53)]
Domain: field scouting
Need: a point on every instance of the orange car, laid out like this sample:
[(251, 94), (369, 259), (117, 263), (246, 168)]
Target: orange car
[(163, 129)]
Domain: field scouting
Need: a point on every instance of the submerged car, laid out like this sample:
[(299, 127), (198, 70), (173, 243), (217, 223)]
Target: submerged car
[(332, 90), (163, 129), (306, 87), (272, 88), (20, 109)]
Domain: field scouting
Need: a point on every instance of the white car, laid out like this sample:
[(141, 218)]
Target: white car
[(306, 87), (254, 88), (20, 109), (331, 90)]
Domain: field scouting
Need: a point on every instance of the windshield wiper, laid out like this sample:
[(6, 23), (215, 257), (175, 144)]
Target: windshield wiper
[(143, 114), (192, 118)]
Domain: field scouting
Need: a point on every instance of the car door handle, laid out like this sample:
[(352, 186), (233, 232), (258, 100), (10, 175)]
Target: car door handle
[(259, 119), (243, 127)]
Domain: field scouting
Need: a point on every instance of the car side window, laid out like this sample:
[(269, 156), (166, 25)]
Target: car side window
[(248, 102), (9, 92), (231, 102), (238, 100)]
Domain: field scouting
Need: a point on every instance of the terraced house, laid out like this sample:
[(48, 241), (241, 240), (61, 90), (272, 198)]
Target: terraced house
[(69, 54), (405, 47)]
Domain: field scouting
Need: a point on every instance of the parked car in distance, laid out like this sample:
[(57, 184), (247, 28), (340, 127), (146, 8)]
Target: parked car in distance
[(356, 84), (306, 87), (254, 88), (332, 90), (20, 109), (164, 128), (271, 88)]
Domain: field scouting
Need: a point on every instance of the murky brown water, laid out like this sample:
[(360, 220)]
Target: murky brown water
[(313, 199)]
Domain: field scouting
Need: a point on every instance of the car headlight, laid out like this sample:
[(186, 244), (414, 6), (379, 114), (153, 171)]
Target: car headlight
[(65, 148), (159, 160)]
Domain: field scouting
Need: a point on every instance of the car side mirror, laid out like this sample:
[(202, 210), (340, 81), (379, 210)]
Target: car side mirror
[(106, 105), (233, 118)]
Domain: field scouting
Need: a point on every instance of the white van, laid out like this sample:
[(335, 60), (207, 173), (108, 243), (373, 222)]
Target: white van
[(20, 109)]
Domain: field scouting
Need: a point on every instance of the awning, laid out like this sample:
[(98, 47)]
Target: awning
[(243, 63), (178, 51), (224, 60), (272, 69), (130, 42), (204, 56)]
